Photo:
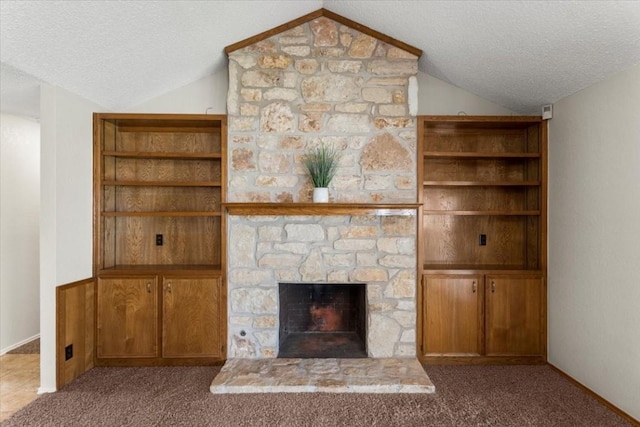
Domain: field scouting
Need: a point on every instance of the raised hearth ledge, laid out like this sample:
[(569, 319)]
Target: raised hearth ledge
[(377, 209), (384, 375)]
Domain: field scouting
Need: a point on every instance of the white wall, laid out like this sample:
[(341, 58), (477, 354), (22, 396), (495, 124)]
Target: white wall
[(19, 231), (66, 208), (436, 97), (594, 238), (205, 96)]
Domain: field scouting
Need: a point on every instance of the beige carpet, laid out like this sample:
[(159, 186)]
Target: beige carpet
[(32, 347), (179, 396)]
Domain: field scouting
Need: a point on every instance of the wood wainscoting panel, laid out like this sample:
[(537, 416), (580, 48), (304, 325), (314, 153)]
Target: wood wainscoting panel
[(74, 327)]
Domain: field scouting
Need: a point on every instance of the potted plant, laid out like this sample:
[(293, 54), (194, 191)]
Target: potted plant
[(321, 163)]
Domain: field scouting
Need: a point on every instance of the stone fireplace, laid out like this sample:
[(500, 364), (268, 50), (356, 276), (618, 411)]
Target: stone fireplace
[(322, 320), (322, 81), (377, 250)]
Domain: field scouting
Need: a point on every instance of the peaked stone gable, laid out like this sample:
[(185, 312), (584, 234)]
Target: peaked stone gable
[(321, 82)]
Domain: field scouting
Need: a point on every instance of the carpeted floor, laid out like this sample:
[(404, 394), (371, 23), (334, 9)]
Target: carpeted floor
[(179, 396), (32, 347)]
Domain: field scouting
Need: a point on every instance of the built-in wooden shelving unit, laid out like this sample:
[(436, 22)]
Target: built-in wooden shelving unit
[(482, 239), (159, 239)]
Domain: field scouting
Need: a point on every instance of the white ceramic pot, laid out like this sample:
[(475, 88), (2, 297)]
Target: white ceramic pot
[(321, 195)]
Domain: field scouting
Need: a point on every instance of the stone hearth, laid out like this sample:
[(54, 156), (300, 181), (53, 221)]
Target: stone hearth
[(322, 375)]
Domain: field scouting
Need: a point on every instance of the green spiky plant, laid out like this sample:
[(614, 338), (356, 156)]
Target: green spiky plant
[(321, 163)]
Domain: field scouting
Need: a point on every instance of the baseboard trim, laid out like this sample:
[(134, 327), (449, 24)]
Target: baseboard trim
[(14, 346), (44, 390), (596, 396)]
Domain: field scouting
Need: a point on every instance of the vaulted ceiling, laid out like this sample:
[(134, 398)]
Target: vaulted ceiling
[(519, 54)]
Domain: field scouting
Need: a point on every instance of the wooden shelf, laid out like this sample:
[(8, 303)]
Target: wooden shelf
[(481, 183), (163, 183), (162, 268), (151, 122), (458, 123), (484, 268), (478, 155), (162, 155), (168, 214), (389, 209), (481, 213)]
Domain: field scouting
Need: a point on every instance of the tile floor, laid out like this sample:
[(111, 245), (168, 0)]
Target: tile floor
[(19, 382)]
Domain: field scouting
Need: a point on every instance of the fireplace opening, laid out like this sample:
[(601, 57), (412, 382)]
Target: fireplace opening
[(322, 320)]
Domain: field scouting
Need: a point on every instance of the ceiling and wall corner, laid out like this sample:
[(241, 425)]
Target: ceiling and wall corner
[(520, 55), (19, 92)]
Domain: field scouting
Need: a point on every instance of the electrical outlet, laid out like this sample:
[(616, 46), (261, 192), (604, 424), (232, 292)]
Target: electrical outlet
[(483, 240), (159, 240), (68, 352)]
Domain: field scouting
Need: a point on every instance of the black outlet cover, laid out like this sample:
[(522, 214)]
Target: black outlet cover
[(159, 240), (68, 352), (483, 240)]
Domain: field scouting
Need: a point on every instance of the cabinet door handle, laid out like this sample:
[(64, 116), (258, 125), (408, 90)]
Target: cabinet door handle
[(169, 287), (493, 286), (474, 287), (149, 287)]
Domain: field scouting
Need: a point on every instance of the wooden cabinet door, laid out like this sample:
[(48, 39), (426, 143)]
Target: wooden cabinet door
[(127, 317), (452, 315), (191, 317), (514, 323)]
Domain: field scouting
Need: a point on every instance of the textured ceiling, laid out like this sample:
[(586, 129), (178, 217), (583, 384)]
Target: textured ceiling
[(120, 53)]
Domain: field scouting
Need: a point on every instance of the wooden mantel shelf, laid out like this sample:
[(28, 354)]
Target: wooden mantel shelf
[(387, 209)]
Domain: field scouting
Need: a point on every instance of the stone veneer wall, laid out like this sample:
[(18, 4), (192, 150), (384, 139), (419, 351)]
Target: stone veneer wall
[(377, 250), (321, 82)]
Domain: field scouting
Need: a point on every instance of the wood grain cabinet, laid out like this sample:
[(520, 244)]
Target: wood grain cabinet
[(191, 318), (127, 317), (515, 322), (453, 315), (159, 238), (482, 238), (470, 316)]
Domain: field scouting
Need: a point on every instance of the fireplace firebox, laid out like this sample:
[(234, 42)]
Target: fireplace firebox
[(319, 320)]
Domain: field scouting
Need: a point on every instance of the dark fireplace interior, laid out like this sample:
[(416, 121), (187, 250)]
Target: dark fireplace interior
[(322, 320)]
